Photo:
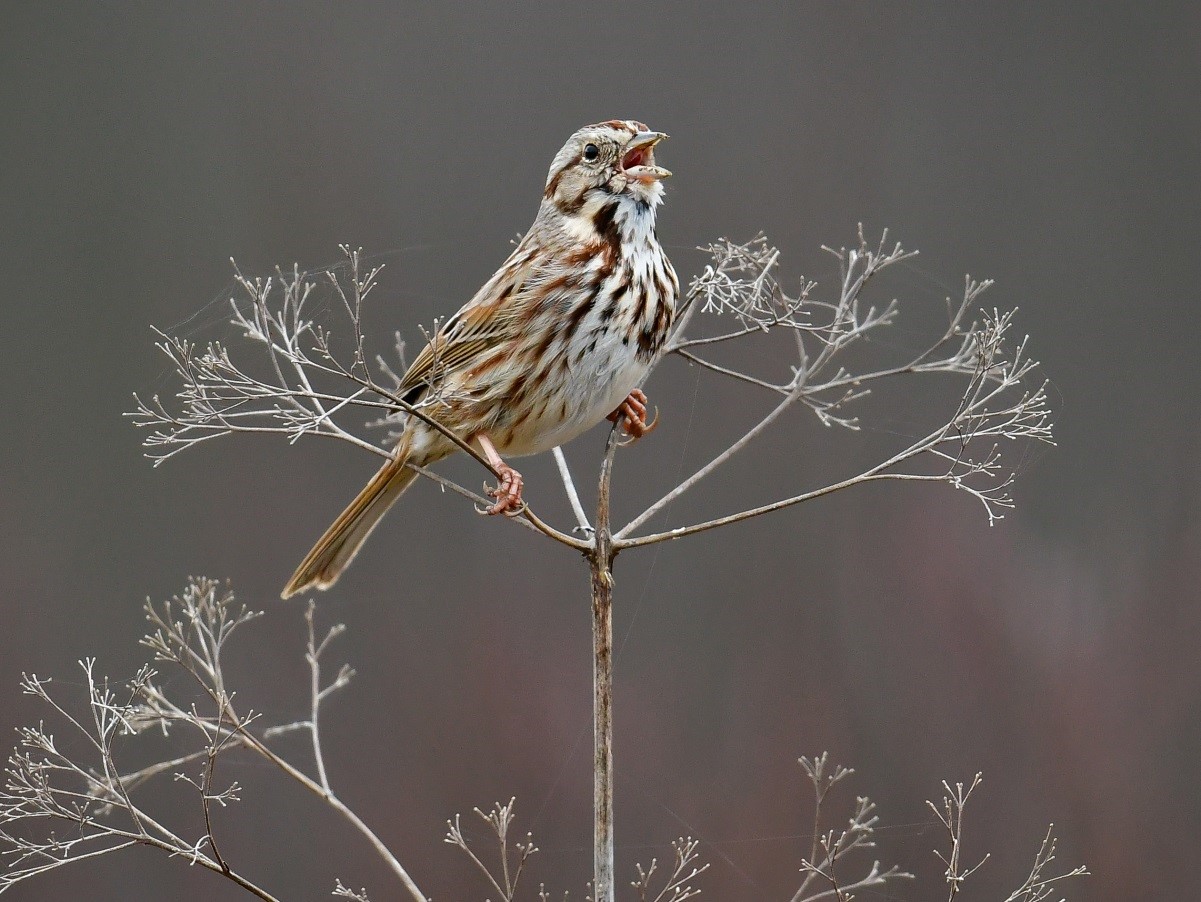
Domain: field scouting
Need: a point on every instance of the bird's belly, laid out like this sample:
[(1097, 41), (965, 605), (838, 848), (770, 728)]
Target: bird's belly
[(595, 382)]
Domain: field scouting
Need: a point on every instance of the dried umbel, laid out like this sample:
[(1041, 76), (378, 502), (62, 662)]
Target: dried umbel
[(313, 391), (67, 797), (738, 299)]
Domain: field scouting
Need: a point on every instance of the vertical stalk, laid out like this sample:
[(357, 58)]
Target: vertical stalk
[(602, 725), (600, 561)]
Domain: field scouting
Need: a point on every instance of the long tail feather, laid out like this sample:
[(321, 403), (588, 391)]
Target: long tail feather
[(336, 549)]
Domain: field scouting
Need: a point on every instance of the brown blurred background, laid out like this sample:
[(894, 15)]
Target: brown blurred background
[(1051, 147)]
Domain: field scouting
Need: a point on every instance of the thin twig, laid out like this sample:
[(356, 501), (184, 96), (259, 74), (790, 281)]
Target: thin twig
[(572, 495)]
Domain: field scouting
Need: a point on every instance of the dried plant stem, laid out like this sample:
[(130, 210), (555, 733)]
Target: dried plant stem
[(740, 443), (309, 391), (573, 496), (330, 798), (870, 475), (600, 561), (323, 790)]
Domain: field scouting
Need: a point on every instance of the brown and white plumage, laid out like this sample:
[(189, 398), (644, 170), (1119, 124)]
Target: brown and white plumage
[(557, 339)]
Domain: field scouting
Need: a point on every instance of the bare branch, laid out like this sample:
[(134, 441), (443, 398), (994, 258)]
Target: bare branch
[(512, 856), (47, 784), (951, 816), (303, 383), (830, 847), (305, 390), (1035, 888), (573, 496), (346, 892), (997, 404), (678, 884)]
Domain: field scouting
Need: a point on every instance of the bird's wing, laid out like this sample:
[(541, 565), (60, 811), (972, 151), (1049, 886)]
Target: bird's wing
[(493, 316)]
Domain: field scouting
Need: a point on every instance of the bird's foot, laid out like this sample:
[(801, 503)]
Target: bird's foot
[(508, 493), (632, 416)]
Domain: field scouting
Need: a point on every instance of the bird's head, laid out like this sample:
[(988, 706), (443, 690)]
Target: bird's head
[(614, 158)]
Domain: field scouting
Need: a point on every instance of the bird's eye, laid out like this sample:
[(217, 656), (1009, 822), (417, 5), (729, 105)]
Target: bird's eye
[(591, 152)]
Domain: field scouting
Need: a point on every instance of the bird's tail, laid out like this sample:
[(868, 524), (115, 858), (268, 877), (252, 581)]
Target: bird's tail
[(335, 550)]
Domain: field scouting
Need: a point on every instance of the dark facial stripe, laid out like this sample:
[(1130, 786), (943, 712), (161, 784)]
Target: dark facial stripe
[(553, 185), (605, 222), (573, 205)]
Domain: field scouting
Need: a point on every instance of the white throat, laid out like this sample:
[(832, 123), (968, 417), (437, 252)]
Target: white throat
[(636, 220)]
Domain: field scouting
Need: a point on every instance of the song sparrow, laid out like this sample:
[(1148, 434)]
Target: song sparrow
[(561, 336)]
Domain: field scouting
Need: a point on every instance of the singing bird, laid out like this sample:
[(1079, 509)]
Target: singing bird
[(559, 338)]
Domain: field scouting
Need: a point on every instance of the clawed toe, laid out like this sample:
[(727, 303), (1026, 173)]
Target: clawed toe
[(508, 493), (632, 416), (640, 427)]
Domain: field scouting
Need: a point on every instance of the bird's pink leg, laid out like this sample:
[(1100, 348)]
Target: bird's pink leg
[(632, 414), (508, 493)]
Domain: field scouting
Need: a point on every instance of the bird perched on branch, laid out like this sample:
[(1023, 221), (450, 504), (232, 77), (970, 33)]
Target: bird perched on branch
[(559, 338)]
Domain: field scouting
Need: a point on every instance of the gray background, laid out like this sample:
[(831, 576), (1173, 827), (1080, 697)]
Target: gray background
[(1053, 148)]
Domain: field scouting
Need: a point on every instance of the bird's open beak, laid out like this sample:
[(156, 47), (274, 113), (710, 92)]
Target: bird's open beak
[(638, 158)]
